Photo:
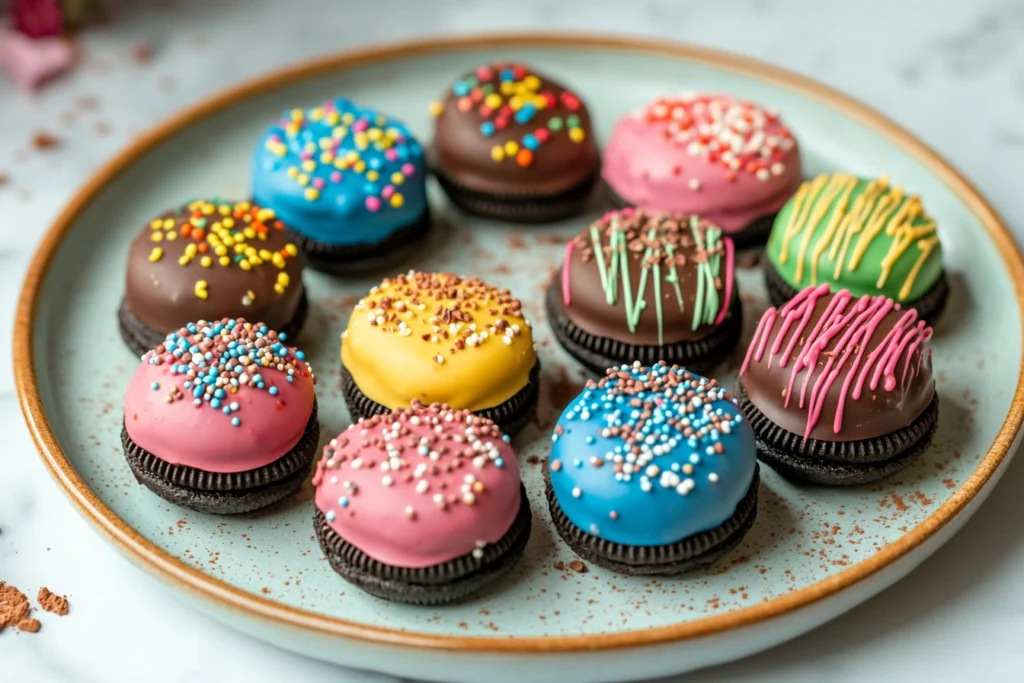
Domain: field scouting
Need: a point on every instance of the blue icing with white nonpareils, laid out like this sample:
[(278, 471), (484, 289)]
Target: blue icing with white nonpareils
[(341, 174), (650, 456)]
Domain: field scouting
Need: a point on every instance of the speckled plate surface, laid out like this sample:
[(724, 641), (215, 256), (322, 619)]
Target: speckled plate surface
[(812, 554)]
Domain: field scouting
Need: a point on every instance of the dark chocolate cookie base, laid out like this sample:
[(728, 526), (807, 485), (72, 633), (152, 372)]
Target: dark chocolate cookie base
[(754, 235), (600, 353), (230, 493), (694, 552), (141, 338), (929, 305), (839, 463), (360, 259), (511, 416), (448, 582), (519, 208)]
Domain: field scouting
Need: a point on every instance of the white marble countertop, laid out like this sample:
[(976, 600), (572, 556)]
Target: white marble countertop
[(951, 71)]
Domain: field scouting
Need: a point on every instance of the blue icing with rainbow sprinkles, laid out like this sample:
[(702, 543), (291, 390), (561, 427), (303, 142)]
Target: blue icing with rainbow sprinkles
[(341, 174), (650, 456)]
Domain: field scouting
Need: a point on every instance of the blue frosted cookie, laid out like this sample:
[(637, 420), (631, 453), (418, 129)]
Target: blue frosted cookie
[(653, 471), (349, 181)]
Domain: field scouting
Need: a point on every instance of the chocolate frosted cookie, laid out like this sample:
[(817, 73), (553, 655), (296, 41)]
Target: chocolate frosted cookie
[(221, 417), (839, 388), (439, 338), (514, 145), (653, 471), (208, 260), (423, 505), (647, 287), (865, 236)]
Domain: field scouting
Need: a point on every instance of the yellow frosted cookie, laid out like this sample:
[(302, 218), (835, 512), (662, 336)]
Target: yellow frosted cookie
[(440, 338)]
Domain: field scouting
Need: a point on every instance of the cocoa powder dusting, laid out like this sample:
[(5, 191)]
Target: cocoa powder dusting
[(142, 53), (51, 602), (577, 566), (44, 140)]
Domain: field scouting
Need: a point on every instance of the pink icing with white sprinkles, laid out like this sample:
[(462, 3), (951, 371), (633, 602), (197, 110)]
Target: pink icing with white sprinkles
[(419, 486), (739, 136)]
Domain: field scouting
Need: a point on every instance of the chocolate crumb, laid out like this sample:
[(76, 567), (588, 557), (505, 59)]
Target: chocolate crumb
[(4, 179), (578, 567), (560, 566), (533, 459), (749, 259), (28, 625), (14, 609), (44, 140), (142, 53), (87, 103), (51, 602)]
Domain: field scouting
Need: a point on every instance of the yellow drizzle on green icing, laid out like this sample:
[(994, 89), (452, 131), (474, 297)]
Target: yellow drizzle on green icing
[(856, 229)]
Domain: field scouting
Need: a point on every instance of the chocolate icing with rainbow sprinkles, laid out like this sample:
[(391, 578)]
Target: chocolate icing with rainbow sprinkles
[(512, 144)]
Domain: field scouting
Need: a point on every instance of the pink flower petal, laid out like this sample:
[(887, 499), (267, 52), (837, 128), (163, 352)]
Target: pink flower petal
[(31, 62)]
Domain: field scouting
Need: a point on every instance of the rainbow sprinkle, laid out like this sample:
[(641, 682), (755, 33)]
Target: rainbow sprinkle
[(338, 138), (218, 233), (507, 96), (217, 359)]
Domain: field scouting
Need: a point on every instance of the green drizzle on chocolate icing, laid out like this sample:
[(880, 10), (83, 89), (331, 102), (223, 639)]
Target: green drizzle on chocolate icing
[(658, 242)]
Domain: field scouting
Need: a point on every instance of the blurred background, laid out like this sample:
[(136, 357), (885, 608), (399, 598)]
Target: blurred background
[(951, 71)]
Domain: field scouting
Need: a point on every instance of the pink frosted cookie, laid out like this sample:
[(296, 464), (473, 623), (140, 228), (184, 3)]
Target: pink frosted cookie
[(731, 162), (422, 505), (221, 417)]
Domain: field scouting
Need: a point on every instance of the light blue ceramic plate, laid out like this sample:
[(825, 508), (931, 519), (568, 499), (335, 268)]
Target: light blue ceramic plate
[(812, 554)]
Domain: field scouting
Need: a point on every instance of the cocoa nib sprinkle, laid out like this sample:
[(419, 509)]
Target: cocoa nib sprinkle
[(444, 309), (654, 238)]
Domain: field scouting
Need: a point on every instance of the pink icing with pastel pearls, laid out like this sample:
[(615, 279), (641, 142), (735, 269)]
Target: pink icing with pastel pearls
[(419, 486), (726, 160)]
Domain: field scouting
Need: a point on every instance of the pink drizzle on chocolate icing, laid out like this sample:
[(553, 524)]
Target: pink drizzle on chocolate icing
[(851, 322), (566, 295)]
